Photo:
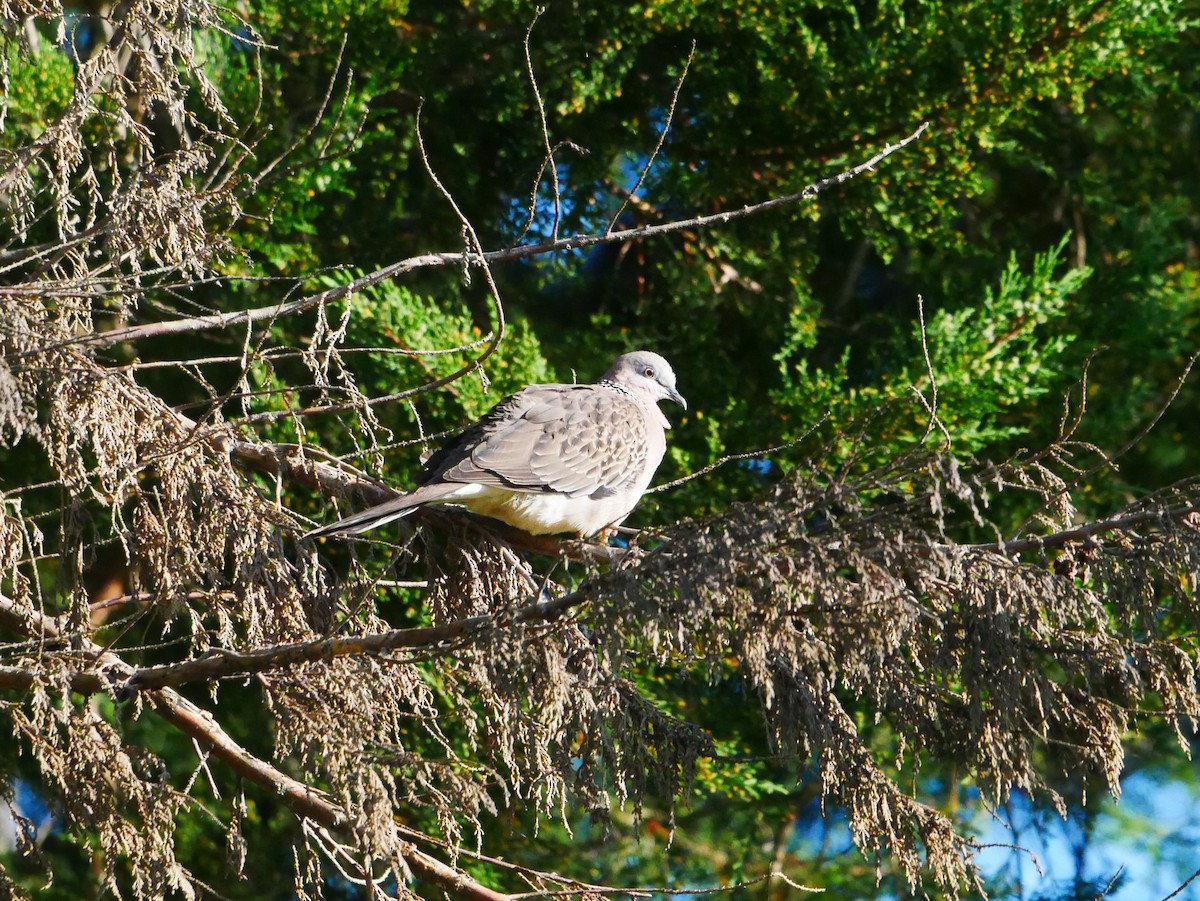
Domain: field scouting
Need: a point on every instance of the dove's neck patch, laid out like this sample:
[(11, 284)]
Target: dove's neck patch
[(650, 407), (619, 388)]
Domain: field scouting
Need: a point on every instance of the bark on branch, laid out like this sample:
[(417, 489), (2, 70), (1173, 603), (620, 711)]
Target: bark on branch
[(223, 664), (439, 260), (99, 667)]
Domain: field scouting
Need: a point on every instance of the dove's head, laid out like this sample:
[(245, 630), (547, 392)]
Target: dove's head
[(646, 375)]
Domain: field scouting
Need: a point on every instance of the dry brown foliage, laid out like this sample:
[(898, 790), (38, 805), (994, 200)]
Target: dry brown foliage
[(830, 592)]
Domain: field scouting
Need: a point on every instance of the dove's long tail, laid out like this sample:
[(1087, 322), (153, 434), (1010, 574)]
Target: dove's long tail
[(388, 511)]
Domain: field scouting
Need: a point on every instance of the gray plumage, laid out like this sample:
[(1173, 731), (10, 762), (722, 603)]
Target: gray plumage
[(550, 458)]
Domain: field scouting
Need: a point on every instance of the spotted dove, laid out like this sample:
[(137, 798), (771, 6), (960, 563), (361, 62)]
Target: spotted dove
[(551, 458)]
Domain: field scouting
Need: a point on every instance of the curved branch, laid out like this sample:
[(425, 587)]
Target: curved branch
[(439, 260), (631, 194), (1088, 531), (198, 724), (223, 664)]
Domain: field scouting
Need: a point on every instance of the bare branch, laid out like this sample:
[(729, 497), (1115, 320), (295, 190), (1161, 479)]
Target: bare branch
[(1185, 515), (223, 664), (199, 725), (1185, 884), (473, 258), (745, 455), (1109, 461), (474, 247)]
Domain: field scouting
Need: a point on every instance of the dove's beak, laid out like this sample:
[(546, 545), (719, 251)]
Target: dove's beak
[(674, 395)]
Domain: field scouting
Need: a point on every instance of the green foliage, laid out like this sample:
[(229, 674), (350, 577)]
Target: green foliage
[(39, 88), (391, 314), (987, 366), (1048, 118)]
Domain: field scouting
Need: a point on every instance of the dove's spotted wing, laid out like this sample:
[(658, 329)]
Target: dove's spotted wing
[(576, 440)]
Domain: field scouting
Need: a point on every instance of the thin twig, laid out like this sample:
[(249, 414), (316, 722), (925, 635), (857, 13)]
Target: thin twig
[(540, 106), (1108, 888), (1186, 883), (766, 451), (1110, 461), (474, 246), (931, 404), (662, 137)]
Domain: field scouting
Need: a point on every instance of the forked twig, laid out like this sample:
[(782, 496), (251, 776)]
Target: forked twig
[(662, 137)]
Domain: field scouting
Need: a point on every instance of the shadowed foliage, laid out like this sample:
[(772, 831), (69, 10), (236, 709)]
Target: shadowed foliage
[(901, 611)]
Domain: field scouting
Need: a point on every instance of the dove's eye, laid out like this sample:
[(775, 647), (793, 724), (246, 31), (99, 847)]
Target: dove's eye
[(648, 372)]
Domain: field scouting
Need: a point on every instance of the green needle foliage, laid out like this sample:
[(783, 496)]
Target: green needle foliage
[(949, 567)]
